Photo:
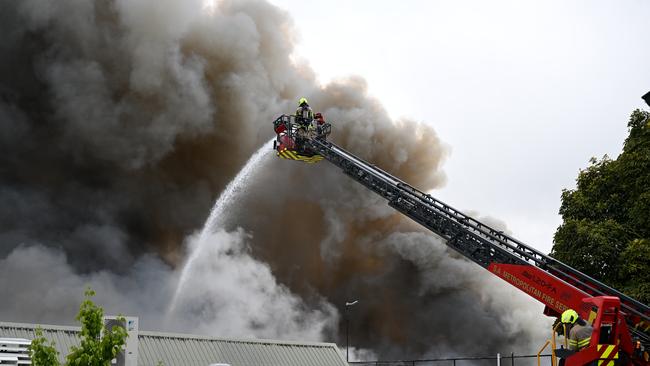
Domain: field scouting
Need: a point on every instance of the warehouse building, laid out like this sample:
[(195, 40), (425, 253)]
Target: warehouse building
[(168, 349)]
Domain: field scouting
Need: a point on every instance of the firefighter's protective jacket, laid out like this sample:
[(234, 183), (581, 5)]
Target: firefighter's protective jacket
[(580, 336), (304, 114)]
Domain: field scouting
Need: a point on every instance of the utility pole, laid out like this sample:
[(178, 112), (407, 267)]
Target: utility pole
[(347, 329)]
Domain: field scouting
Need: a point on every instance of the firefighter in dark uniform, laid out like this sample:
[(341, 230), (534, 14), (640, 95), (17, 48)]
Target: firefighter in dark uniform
[(304, 114), (304, 119)]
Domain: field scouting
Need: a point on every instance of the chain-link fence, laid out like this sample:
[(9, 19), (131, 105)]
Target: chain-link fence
[(500, 360)]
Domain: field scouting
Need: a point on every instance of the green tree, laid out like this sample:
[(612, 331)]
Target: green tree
[(98, 345), (606, 218), (43, 352)]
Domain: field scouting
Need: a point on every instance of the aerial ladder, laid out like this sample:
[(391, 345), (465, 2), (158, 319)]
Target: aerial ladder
[(621, 324)]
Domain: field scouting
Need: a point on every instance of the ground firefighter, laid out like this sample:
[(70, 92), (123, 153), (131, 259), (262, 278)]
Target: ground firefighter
[(579, 330)]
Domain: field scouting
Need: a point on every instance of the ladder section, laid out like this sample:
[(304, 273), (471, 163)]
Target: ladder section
[(475, 240)]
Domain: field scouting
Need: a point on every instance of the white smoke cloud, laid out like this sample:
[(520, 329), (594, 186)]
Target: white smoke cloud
[(231, 293), (42, 287), (359, 354)]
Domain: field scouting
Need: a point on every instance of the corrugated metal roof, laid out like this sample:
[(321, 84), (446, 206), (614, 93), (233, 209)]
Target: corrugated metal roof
[(64, 337), (13, 351), (189, 350)]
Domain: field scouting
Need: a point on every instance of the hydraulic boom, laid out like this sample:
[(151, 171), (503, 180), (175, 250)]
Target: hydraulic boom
[(550, 281), (621, 324)]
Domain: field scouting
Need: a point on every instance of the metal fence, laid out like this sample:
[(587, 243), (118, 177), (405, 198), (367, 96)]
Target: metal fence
[(500, 360)]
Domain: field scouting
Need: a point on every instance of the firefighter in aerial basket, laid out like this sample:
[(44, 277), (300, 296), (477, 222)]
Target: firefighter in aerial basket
[(319, 119), (304, 114)]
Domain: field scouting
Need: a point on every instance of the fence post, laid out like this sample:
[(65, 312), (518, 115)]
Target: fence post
[(512, 359), (498, 359)]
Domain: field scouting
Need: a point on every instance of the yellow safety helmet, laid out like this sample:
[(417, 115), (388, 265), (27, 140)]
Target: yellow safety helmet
[(302, 101), (569, 316)]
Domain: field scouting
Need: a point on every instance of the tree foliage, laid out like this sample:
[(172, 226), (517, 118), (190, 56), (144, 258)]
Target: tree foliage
[(606, 219), (43, 352), (98, 345)]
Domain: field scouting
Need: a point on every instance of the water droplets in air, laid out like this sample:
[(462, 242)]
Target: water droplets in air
[(218, 214)]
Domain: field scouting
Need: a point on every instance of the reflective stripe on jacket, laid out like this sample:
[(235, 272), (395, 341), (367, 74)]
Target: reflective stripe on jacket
[(580, 336), (304, 113)]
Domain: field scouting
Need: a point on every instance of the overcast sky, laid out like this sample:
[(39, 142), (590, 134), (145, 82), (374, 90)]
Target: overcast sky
[(524, 92)]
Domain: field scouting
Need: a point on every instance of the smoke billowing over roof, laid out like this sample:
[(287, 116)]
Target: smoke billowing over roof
[(120, 124)]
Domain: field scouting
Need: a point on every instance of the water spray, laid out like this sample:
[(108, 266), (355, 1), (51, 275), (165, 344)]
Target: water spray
[(218, 214)]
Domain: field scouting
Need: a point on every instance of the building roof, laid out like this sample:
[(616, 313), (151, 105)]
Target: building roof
[(188, 350), (14, 351)]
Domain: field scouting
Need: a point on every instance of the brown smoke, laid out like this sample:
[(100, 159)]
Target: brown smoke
[(122, 121)]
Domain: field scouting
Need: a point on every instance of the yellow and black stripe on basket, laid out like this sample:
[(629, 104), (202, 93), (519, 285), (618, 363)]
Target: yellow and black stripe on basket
[(291, 155), (608, 353)]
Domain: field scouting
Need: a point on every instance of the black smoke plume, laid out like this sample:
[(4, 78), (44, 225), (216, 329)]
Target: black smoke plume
[(120, 124)]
